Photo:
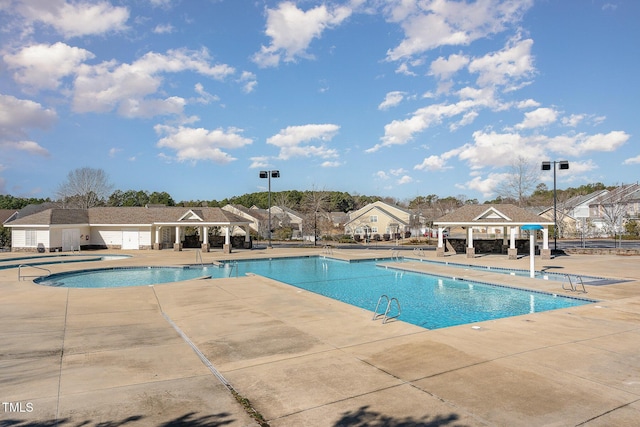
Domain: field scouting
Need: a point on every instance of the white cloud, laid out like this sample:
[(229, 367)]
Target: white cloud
[(445, 68), (74, 19), (503, 68), (248, 79), (486, 186), (329, 164), (30, 147), (114, 151), (292, 30), (392, 99), (163, 29), (125, 87), (205, 97), (293, 140), (399, 132), (431, 163), (500, 150), (528, 103), (195, 144), (381, 175), (573, 120), (259, 162), (17, 117), (538, 118), (43, 66), (632, 160), (576, 145), (405, 179), (434, 23)]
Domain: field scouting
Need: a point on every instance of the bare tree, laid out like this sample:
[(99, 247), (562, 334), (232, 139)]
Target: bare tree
[(84, 188), (522, 180), (614, 206), (315, 205)]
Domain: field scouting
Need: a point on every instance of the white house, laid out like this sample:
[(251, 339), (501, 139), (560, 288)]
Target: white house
[(55, 229)]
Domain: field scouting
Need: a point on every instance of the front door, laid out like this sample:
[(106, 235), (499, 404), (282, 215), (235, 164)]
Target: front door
[(70, 239), (130, 239)]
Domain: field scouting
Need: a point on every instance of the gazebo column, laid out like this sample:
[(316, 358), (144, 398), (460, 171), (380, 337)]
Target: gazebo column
[(156, 244), (177, 246), (226, 248), (513, 251), (471, 251), (205, 239), (247, 236), (545, 252), (440, 248)]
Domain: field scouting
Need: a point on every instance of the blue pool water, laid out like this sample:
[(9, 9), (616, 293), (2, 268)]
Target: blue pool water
[(428, 301)]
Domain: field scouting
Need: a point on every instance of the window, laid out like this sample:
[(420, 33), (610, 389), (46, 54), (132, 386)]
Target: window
[(374, 229), (30, 238), (373, 218)]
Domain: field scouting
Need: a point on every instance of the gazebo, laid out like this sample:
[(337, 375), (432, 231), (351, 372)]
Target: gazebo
[(505, 217)]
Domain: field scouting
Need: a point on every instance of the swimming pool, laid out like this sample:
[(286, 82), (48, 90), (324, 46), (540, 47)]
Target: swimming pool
[(428, 301)]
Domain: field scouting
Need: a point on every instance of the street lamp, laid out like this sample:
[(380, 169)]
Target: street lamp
[(269, 175), (562, 164)]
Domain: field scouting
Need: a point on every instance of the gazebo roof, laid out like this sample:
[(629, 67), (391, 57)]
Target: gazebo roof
[(483, 215)]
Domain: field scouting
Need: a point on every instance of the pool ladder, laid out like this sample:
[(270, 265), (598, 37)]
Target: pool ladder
[(395, 255), (233, 265), (388, 309), (574, 287)]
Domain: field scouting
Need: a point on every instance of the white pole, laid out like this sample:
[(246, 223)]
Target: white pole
[(532, 252)]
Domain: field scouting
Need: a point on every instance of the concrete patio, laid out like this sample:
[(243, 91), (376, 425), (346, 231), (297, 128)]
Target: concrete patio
[(110, 357)]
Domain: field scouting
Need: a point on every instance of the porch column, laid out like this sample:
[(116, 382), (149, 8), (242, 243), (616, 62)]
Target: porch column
[(226, 248), (247, 236), (156, 244), (512, 252), (177, 246), (471, 251), (545, 252), (440, 248), (205, 239)]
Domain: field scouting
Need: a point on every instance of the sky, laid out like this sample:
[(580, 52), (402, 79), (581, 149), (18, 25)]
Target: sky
[(395, 98)]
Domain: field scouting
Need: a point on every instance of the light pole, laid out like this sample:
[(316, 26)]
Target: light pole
[(562, 164), (269, 175)]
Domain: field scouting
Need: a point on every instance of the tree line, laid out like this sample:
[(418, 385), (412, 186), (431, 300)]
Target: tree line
[(87, 187)]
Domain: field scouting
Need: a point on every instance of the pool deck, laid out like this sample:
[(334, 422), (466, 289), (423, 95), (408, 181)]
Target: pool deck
[(161, 355)]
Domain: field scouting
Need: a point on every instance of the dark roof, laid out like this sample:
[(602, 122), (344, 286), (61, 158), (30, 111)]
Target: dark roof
[(503, 213), (5, 214), (130, 215)]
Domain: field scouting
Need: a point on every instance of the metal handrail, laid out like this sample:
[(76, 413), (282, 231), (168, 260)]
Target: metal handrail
[(572, 287), (386, 313), (376, 315), (199, 256), (20, 276), (395, 254), (233, 265), (375, 312)]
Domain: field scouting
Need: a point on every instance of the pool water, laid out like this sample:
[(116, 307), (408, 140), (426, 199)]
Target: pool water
[(428, 301)]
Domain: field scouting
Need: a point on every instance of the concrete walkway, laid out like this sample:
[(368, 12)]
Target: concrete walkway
[(166, 355)]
